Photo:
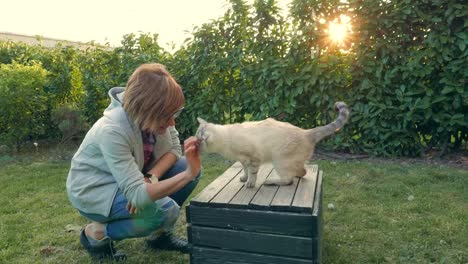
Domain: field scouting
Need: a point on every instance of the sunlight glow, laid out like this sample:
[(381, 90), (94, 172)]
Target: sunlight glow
[(339, 29), (337, 32)]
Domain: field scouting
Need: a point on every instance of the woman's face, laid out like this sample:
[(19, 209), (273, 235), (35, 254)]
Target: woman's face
[(169, 122), (163, 127)]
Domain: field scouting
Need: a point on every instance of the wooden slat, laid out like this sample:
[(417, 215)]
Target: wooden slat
[(318, 195), (217, 185), (223, 197), (271, 244), (304, 196), (201, 255), (285, 223), (245, 195), (265, 194), (285, 194)]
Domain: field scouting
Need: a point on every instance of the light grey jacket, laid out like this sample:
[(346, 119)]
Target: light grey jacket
[(111, 158)]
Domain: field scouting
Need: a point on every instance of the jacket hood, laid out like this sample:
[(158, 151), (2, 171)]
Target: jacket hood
[(116, 96), (115, 109)]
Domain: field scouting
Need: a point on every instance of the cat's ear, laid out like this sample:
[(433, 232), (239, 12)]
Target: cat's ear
[(201, 121)]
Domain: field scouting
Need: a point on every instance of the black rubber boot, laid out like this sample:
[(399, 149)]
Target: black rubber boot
[(167, 241), (106, 251)]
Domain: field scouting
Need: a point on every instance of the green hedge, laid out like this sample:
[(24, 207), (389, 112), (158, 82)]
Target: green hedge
[(410, 75), (23, 102), (403, 71)]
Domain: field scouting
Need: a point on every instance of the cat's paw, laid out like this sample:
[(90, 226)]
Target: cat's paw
[(243, 178), (270, 182), (250, 184), (277, 182)]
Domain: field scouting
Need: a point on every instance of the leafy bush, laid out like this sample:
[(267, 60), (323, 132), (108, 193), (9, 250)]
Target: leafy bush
[(22, 103), (103, 68), (410, 74), (65, 84), (70, 122), (403, 71)]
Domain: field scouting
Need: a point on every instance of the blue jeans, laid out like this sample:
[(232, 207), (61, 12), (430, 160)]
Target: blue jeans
[(163, 213)]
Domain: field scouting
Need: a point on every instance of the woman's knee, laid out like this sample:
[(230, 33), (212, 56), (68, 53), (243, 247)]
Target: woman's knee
[(171, 212), (162, 213)]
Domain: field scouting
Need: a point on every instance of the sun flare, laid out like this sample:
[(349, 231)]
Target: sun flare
[(339, 29), (337, 32)]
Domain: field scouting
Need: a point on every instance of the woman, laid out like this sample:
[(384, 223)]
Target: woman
[(129, 177)]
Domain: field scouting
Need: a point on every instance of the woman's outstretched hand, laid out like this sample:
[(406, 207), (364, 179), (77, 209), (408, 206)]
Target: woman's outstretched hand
[(192, 155)]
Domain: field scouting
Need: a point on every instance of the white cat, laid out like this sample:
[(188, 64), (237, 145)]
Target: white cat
[(255, 143)]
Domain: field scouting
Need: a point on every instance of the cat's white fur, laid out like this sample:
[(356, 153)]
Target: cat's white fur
[(269, 140)]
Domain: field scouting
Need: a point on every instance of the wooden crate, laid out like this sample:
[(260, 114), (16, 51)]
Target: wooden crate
[(228, 223)]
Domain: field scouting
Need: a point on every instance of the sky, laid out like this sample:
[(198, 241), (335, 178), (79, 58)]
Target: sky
[(108, 20)]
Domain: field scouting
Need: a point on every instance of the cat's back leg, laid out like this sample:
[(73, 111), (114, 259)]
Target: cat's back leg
[(286, 169), (288, 160), (284, 176), (279, 181)]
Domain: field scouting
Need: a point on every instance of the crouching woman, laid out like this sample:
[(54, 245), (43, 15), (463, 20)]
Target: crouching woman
[(128, 177)]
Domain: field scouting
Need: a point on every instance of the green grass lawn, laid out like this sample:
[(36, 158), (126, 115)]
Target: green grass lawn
[(383, 213)]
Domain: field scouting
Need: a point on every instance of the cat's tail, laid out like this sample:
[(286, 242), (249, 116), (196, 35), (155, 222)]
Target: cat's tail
[(318, 133)]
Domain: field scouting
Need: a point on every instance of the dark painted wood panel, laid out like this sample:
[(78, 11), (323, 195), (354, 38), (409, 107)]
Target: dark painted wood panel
[(270, 244), (286, 223), (202, 255), (217, 185), (317, 213), (305, 192)]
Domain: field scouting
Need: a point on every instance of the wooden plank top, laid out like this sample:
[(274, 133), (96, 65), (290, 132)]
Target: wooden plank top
[(245, 195), (229, 192), (306, 189), (218, 184)]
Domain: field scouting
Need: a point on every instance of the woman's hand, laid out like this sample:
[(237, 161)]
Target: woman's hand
[(131, 209), (173, 184), (192, 155)]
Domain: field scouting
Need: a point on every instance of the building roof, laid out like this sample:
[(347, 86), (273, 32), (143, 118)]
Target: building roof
[(46, 41)]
